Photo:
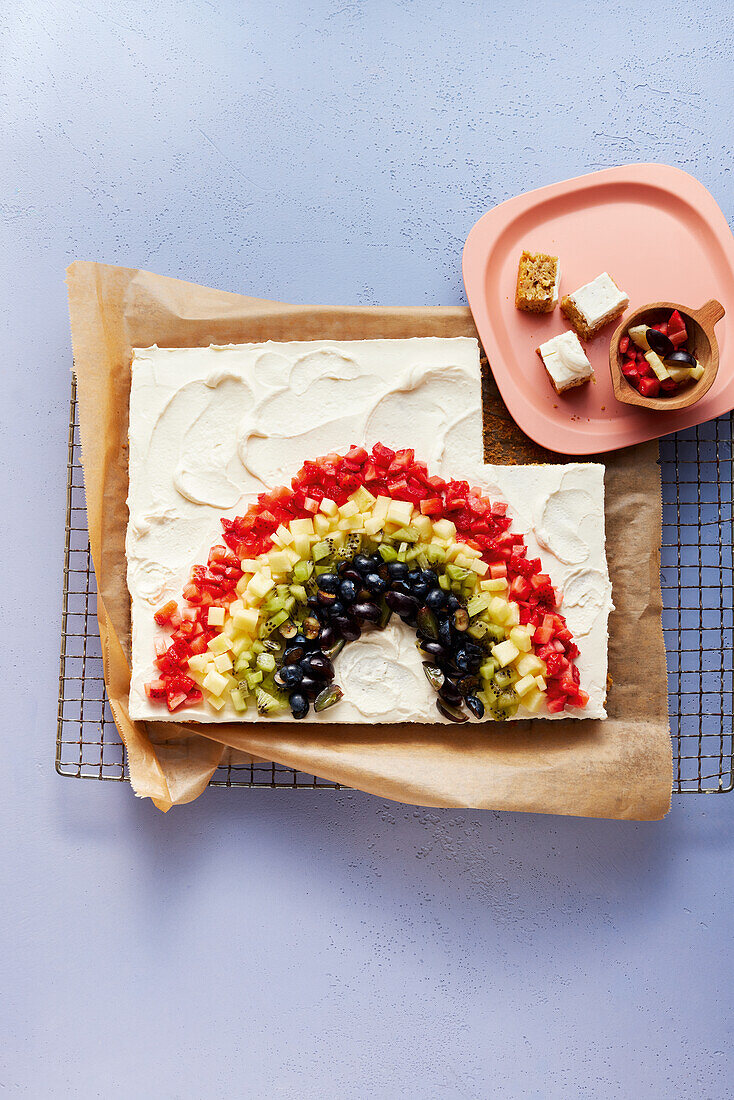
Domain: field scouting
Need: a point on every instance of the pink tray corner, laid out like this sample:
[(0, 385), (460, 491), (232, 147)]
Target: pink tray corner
[(660, 234)]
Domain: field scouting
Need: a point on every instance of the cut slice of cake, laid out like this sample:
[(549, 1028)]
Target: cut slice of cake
[(565, 361), (538, 278), (594, 305)]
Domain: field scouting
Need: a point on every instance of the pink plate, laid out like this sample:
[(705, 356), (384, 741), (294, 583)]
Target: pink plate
[(659, 234)]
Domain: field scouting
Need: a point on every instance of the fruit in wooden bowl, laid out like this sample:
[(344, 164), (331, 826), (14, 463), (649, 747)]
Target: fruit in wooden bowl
[(665, 355)]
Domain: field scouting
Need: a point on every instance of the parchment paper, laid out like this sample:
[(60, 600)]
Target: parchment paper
[(618, 768)]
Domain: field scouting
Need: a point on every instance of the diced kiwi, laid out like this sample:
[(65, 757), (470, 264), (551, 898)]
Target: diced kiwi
[(387, 552), (320, 550), (267, 703), (508, 699), (503, 678), (266, 662), (302, 570), (407, 534)]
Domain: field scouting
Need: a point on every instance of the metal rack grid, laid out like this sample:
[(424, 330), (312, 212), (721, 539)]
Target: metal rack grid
[(697, 574)]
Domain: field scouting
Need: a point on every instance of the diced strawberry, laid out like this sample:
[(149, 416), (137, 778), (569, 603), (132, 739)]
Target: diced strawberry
[(629, 368), (497, 570), (433, 506), (678, 339), (163, 614), (156, 689), (624, 343), (542, 635), (662, 327), (382, 455), (357, 455), (520, 589), (175, 700), (668, 385), (555, 704), (676, 323), (649, 387)]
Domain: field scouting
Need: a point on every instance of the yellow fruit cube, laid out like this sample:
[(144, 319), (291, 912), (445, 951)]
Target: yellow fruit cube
[(400, 512), (349, 509), (523, 686), (505, 652), (215, 616), (223, 662), (215, 682), (444, 528), (533, 701), (220, 644), (530, 665), (329, 507), (521, 638), (302, 527)]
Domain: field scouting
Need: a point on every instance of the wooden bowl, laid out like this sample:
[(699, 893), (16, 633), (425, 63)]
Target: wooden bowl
[(701, 343)]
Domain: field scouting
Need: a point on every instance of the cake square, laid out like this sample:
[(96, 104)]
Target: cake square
[(212, 428), (594, 305), (538, 279), (565, 361)]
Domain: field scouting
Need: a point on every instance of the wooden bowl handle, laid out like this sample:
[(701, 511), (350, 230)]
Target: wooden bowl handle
[(710, 313)]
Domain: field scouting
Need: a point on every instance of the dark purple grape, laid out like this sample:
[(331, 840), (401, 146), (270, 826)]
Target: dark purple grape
[(401, 602), (329, 582), (310, 686), (318, 665), (452, 712), (450, 693), (367, 612), (435, 649), (352, 575), (453, 603), (326, 598), (362, 563), (293, 654), (327, 637), (475, 705), (445, 635), (659, 342), (681, 356)]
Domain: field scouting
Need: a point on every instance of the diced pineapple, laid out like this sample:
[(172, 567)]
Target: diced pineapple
[(302, 545), (279, 562), (321, 525), (329, 507), (241, 585), (530, 665), (363, 498), (302, 527), (540, 683), (215, 682), (221, 644), (423, 526), (638, 336), (249, 565), (246, 619), (260, 585), (216, 616), (521, 638), (480, 567), (462, 560), (659, 369), (198, 662), (380, 509), (494, 584), (373, 525), (444, 528), (351, 508), (285, 535), (498, 609), (350, 523), (505, 652), (238, 700), (523, 686), (216, 701), (697, 372), (533, 701), (513, 615), (400, 511), (223, 662)]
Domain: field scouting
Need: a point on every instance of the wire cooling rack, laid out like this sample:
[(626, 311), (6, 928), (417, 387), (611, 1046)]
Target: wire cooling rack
[(697, 574)]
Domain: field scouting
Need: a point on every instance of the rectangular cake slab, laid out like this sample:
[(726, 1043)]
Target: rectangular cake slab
[(210, 428)]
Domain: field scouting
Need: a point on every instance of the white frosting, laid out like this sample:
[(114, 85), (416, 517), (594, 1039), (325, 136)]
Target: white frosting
[(557, 283), (599, 299), (211, 427), (565, 361)]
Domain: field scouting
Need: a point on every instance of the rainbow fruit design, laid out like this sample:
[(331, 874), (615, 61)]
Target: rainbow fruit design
[(356, 539)]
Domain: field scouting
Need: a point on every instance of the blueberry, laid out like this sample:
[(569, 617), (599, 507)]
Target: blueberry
[(414, 576), (375, 584), (429, 577), (435, 599), (445, 635), (397, 570), (300, 639), (362, 563), (328, 582), (291, 675), (452, 603), (348, 591), (462, 660), (338, 607), (420, 590), (299, 704)]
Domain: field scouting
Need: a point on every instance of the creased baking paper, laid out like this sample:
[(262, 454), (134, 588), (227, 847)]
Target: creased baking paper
[(618, 768)]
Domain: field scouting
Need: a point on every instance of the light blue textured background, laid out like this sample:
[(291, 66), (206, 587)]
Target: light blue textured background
[(298, 944)]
